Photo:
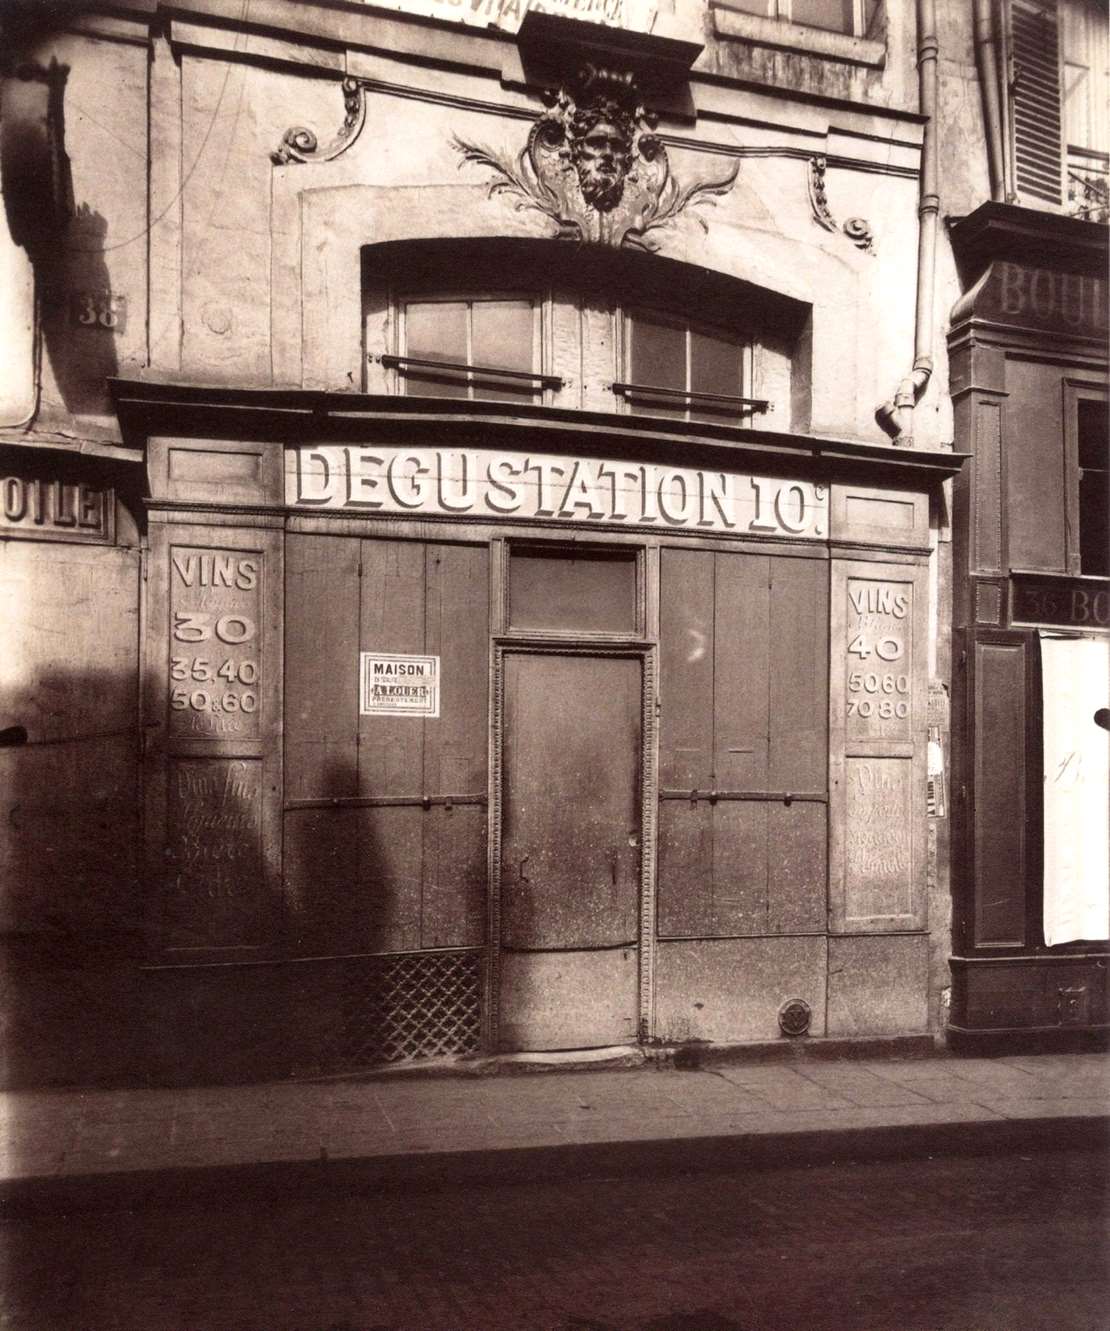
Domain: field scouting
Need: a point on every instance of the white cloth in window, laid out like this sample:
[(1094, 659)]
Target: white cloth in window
[(1076, 683)]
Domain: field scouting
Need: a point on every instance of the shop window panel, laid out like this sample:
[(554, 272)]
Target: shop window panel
[(686, 632), (503, 334), (387, 891), (436, 330), (685, 869), (586, 591), (390, 751), (320, 860), (453, 895), (797, 844), (741, 671), (657, 359), (321, 666), (739, 886), (798, 676), (456, 619)]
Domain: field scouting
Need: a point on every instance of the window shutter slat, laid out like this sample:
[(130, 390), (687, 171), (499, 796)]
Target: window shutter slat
[(1037, 112)]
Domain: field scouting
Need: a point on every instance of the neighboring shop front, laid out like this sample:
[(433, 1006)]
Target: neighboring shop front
[(1029, 356)]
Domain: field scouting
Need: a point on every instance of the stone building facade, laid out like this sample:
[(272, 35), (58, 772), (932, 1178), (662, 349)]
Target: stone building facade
[(478, 528)]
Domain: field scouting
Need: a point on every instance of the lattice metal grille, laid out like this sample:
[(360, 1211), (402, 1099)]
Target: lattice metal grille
[(420, 1005)]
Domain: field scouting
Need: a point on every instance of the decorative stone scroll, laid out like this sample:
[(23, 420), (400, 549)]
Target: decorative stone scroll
[(857, 229), (299, 144), (594, 165)]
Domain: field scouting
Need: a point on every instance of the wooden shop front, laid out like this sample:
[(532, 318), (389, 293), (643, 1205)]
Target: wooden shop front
[(469, 728)]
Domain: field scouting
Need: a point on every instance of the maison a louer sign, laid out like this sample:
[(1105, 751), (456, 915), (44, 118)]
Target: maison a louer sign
[(479, 484)]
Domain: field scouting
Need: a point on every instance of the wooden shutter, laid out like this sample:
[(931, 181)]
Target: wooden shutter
[(1036, 115)]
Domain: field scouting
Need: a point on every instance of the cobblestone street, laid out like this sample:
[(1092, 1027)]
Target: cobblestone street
[(961, 1244)]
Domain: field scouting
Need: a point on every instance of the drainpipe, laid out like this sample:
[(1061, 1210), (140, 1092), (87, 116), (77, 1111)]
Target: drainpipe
[(986, 59), (896, 416)]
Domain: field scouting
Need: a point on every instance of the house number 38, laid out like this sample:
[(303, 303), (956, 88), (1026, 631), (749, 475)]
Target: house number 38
[(98, 309)]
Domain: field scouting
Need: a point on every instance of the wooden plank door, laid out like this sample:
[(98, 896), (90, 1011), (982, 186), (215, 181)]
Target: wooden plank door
[(570, 849)]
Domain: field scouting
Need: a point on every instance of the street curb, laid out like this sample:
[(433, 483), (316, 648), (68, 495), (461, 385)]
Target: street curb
[(431, 1171)]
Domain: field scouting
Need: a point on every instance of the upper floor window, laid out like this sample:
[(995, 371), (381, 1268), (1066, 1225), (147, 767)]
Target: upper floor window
[(482, 347), (1059, 105), (677, 369), (855, 18)]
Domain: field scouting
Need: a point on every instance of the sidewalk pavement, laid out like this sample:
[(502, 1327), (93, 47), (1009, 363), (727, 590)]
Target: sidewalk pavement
[(72, 1149)]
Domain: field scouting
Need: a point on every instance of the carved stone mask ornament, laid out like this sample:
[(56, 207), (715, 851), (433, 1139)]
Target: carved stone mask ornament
[(594, 165)]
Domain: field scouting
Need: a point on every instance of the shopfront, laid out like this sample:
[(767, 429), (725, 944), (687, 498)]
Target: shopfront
[(521, 735)]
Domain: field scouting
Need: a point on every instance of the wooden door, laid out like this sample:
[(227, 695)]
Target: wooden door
[(570, 849)]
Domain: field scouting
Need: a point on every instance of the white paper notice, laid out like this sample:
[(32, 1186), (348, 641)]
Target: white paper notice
[(1076, 682)]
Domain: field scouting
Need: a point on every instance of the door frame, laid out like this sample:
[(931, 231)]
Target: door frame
[(646, 654)]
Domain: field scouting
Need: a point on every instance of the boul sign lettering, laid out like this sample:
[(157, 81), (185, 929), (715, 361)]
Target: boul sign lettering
[(478, 484), (393, 685)]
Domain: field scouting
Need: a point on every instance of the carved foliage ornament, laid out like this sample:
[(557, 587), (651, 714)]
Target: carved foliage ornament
[(595, 166)]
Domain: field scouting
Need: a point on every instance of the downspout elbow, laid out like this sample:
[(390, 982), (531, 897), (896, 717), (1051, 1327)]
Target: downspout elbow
[(896, 416)]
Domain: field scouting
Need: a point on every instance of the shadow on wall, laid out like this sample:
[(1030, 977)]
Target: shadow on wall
[(69, 900), (64, 243)]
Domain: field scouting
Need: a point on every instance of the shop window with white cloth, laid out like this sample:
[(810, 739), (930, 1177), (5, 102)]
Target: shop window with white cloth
[(1076, 683)]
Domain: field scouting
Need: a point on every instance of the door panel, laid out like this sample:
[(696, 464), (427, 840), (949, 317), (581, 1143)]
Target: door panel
[(570, 862)]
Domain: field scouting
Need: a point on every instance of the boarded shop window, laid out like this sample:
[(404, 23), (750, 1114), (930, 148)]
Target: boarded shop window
[(385, 821), (468, 342), (743, 744), (676, 369), (582, 591)]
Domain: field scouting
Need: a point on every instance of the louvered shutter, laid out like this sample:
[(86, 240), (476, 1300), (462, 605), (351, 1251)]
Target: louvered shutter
[(1035, 104)]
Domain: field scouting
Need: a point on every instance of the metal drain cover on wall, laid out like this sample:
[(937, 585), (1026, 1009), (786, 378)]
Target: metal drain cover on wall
[(795, 1016)]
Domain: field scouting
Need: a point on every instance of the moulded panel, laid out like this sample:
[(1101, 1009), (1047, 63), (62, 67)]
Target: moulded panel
[(1033, 428), (878, 985), (214, 893), (731, 989), (878, 836), (879, 516), (223, 470), (1000, 795), (568, 1000)]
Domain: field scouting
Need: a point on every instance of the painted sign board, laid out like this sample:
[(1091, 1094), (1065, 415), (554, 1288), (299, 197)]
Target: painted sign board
[(51, 509), (1065, 601), (395, 685), (483, 484)]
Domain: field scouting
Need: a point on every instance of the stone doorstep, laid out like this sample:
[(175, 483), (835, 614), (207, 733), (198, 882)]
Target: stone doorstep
[(686, 1057)]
